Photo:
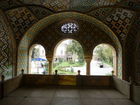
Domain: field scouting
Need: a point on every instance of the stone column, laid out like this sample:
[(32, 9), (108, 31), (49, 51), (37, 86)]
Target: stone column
[(30, 62), (115, 64), (88, 61), (50, 65)]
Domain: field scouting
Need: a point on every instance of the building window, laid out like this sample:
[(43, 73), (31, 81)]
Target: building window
[(69, 28)]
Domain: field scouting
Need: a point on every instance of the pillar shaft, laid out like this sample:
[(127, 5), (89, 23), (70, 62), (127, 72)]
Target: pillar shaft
[(50, 65), (88, 61)]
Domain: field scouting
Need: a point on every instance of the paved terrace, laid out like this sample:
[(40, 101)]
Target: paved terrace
[(65, 96)]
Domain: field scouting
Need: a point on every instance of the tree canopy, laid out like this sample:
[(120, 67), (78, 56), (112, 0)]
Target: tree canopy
[(104, 53), (75, 48)]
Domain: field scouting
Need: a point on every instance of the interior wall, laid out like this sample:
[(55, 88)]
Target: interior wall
[(53, 38), (67, 80), (137, 60), (122, 86), (129, 50), (136, 94), (10, 85), (7, 62), (137, 73)]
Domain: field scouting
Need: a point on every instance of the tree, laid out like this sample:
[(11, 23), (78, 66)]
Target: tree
[(104, 53), (35, 53), (75, 48)]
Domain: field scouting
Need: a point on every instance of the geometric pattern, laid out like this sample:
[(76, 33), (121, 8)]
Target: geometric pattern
[(120, 64), (79, 5), (132, 4), (21, 20), (69, 28), (131, 47), (57, 5), (6, 4), (40, 12), (120, 22), (106, 2), (3, 47), (5, 57), (132, 40), (101, 13), (137, 74)]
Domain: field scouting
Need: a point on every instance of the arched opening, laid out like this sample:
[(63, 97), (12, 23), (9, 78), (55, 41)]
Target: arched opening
[(40, 25), (38, 63), (104, 60), (69, 58)]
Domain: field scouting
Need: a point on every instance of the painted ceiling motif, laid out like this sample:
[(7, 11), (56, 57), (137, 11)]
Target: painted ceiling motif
[(133, 4), (21, 19), (77, 5), (6, 4), (80, 5), (120, 21)]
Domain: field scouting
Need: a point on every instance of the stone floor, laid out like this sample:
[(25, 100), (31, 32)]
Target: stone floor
[(42, 96)]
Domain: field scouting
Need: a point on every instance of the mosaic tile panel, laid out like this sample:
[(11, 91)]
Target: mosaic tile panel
[(40, 12), (130, 48), (6, 4), (22, 60), (79, 5), (5, 50), (57, 5), (21, 20), (106, 2), (120, 22), (101, 13), (131, 4), (137, 74), (120, 64)]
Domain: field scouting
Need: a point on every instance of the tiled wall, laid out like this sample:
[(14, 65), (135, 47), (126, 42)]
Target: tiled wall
[(21, 19), (79, 5), (6, 58)]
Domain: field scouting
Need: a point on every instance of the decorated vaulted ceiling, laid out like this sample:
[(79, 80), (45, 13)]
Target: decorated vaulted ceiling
[(119, 15), (80, 5), (63, 5)]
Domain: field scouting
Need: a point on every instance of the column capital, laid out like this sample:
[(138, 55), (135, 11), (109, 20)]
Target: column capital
[(49, 59), (88, 58)]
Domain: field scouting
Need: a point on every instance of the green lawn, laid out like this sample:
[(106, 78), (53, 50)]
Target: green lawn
[(61, 67)]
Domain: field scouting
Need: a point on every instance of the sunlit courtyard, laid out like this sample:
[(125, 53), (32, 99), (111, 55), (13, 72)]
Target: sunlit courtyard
[(38, 61), (69, 59)]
